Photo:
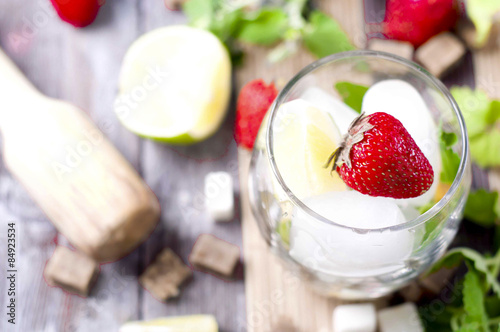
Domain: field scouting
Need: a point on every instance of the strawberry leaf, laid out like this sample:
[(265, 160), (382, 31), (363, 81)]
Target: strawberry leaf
[(324, 36), (480, 207), (352, 94)]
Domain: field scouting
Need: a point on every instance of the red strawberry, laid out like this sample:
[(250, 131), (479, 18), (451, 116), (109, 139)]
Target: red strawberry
[(416, 21), (380, 158), (79, 13), (253, 102)]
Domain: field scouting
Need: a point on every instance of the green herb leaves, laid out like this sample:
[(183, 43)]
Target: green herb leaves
[(471, 314), (482, 117), (481, 13), (321, 34), (481, 207), (264, 27), (449, 158), (473, 298), (352, 94), (324, 36)]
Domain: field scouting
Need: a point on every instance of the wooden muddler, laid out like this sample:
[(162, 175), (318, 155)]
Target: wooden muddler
[(85, 186)]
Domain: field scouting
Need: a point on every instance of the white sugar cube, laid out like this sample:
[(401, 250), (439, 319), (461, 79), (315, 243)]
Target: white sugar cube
[(219, 199), (402, 318), (355, 318)]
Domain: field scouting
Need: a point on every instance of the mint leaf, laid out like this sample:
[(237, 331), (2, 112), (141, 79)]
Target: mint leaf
[(481, 13), (284, 230), (456, 256), (449, 158), (475, 106), (324, 36), (352, 94), (227, 25), (264, 27), (482, 117), (424, 208), (473, 299), (200, 13), (435, 321), (480, 207), (485, 148), (449, 139)]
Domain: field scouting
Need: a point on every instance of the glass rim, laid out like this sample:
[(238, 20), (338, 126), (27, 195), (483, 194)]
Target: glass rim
[(426, 216)]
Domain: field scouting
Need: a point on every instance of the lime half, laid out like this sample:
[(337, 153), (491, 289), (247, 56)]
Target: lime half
[(304, 139), (198, 323), (174, 85)]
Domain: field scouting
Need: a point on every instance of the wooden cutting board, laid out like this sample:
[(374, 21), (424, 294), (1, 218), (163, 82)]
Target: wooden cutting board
[(274, 294)]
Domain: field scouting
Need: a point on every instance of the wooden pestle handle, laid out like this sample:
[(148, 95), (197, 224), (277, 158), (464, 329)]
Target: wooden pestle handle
[(84, 185), (13, 83)]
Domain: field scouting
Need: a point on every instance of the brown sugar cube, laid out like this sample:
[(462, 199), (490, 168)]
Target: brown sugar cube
[(438, 280), (284, 324), (467, 32), (72, 271), (412, 293), (165, 275), (440, 53), (216, 255), (400, 48)]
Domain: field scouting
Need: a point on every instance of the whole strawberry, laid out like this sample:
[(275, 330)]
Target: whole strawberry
[(416, 21), (78, 13), (379, 158), (254, 100)]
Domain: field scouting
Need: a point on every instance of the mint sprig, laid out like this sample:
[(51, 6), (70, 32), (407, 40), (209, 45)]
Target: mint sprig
[(482, 118), (482, 207), (476, 307), (449, 158), (352, 94), (286, 24)]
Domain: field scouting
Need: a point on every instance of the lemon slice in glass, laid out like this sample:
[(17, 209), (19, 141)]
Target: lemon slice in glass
[(304, 138), (198, 323), (174, 85)]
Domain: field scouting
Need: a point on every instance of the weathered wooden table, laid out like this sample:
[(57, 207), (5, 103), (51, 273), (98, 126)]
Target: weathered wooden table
[(82, 66)]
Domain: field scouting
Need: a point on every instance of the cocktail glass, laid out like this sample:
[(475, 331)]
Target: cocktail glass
[(335, 258)]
